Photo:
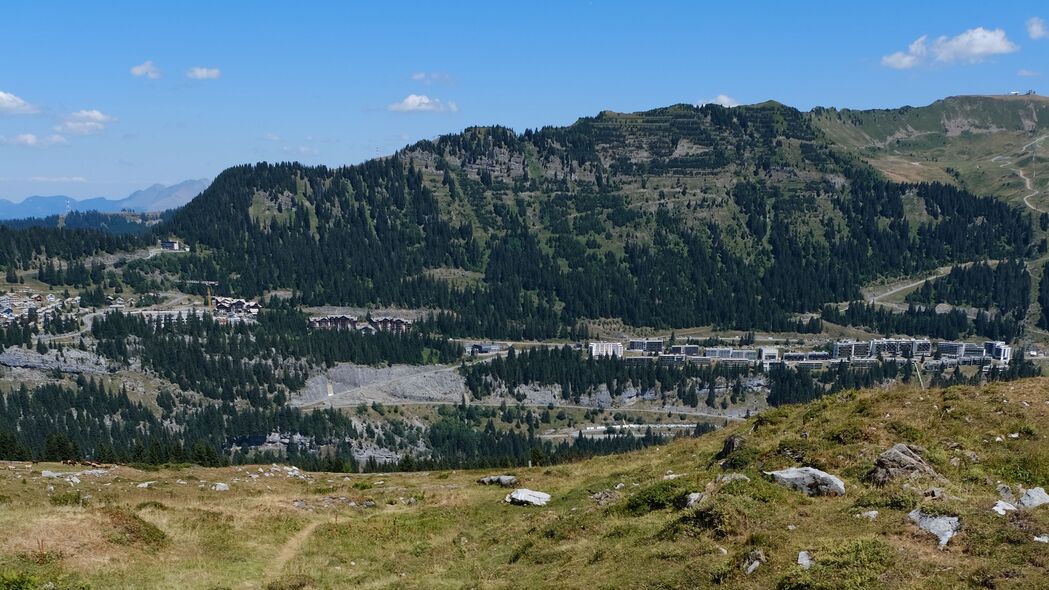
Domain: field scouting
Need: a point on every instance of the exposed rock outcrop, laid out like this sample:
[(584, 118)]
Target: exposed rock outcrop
[(1033, 498), (900, 461), (507, 481)]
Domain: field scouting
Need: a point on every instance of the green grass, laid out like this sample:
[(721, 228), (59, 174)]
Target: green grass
[(459, 534)]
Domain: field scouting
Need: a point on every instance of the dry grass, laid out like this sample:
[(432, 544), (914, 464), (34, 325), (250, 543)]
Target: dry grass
[(457, 534)]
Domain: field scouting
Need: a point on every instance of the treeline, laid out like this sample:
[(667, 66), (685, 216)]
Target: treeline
[(1005, 287), (89, 422), (1043, 298), (924, 321), (578, 374), (52, 422), (467, 437), (21, 248), (789, 385), (260, 363)]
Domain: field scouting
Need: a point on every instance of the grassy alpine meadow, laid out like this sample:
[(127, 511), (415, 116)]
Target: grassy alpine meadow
[(612, 522)]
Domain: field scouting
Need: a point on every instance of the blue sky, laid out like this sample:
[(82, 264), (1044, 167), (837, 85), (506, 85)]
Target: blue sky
[(101, 99)]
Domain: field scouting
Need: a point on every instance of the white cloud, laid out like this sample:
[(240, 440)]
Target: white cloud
[(906, 60), (199, 73), (13, 105), (431, 77), (58, 179), (147, 69), (1024, 72), (972, 46), (302, 150), (724, 100), (85, 122), (415, 103), (270, 137), (33, 140), (1036, 28)]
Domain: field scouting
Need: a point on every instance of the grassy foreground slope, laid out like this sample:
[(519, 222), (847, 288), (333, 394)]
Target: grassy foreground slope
[(443, 530)]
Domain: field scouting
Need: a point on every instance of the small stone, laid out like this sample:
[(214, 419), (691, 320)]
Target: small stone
[(693, 499), (1001, 507), (754, 560), (804, 560), (869, 515), (1005, 493), (731, 477), (1042, 538), (145, 484), (220, 487)]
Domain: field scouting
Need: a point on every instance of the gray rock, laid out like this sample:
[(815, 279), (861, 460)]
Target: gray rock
[(1005, 493), (220, 487), (804, 560), (731, 477), (605, 497), (507, 481), (809, 480), (943, 527), (1042, 538), (1001, 507), (693, 499), (1033, 498), (869, 515), (527, 497), (935, 493), (732, 444), (753, 561), (900, 461)]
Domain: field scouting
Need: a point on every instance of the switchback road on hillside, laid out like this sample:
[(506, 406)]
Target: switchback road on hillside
[(1019, 172)]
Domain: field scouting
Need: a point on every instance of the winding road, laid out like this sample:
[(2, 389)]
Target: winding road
[(1019, 172)]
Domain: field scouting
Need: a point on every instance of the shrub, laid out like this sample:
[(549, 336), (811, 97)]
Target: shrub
[(657, 496), (130, 529), (73, 498)]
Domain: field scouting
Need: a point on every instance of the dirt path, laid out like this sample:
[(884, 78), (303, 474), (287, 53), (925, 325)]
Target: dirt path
[(1019, 172), (289, 551)]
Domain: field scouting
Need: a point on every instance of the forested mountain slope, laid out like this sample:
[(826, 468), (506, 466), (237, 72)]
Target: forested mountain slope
[(675, 217)]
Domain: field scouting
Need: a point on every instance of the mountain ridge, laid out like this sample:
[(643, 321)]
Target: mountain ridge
[(155, 198)]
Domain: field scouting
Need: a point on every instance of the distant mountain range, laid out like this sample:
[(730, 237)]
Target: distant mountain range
[(155, 198)]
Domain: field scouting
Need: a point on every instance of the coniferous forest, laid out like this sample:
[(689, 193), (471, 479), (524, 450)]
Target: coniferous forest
[(744, 219)]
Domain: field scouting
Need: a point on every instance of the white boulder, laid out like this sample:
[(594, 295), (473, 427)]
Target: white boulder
[(527, 497), (943, 527), (809, 480)]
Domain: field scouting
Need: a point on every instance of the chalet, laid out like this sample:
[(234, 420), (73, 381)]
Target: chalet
[(169, 244)]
